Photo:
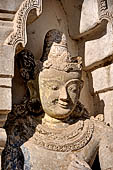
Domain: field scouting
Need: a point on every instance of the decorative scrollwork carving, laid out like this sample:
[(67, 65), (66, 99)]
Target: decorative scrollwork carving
[(104, 12), (65, 140), (19, 33)]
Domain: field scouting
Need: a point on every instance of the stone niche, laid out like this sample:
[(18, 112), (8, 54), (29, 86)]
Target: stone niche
[(88, 26), (9, 16)]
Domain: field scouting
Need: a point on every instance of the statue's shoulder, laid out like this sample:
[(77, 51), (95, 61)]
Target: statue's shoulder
[(100, 126)]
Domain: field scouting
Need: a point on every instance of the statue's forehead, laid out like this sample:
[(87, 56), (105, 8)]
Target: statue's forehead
[(52, 74), (67, 83)]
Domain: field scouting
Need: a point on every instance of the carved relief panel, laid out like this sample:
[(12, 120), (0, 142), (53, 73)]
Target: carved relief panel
[(46, 57)]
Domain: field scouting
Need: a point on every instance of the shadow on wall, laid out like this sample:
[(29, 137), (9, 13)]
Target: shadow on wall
[(96, 165), (73, 15), (98, 105)]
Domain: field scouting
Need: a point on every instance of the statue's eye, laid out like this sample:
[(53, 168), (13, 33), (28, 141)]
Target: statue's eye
[(72, 89), (54, 87), (51, 85)]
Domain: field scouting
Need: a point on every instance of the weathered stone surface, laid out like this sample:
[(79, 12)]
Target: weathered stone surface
[(98, 49), (2, 137), (53, 19), (62, 134), (103, 78), (6, 16), (18, 36), (6, 100), (6, 82), (78, 132), (110, 5), (5, 29), (89, 15), (107, 99), (86, 98), (6, 52), (82, 17), (5, 103), (6, 61), (11, 6), (3, 117)]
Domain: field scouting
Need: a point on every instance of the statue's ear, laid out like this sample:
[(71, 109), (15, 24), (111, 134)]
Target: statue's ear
[(81, 84), (78, 60)]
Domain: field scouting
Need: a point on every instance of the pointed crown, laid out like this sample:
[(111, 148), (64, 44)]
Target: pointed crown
[(56, 54)]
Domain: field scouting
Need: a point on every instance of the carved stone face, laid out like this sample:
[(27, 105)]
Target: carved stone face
[(59, 92)]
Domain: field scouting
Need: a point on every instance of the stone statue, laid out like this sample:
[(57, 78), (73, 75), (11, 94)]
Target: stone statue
[(65, 137)]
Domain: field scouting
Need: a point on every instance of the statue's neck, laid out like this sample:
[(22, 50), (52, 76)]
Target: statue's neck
[(52, 122)]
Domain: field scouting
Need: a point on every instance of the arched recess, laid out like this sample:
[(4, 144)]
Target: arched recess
[(104, 12), (16, 34), (19, 35)]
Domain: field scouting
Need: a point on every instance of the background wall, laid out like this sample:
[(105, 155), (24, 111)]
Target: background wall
[(89, 36), (88, 25)]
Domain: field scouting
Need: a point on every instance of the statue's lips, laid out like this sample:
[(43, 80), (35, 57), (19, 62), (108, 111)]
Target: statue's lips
[(64, 105)]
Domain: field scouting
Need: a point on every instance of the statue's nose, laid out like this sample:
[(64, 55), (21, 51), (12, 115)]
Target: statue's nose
[(63, 94)]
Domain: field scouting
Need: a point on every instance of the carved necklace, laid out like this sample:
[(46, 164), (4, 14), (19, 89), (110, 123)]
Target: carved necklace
[(71, 138)]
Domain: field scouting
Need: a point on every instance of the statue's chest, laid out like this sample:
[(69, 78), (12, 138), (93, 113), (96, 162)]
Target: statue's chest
[(37, 158), (48, 150), (41, 159), (71, 138)]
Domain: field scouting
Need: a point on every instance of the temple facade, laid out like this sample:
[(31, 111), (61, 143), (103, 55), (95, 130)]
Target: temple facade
[(24, 24)]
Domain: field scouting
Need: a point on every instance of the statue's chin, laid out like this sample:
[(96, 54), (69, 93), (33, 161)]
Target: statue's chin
[(59, 113)]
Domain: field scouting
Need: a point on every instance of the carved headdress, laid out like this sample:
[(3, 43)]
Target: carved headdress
[(56, 54)]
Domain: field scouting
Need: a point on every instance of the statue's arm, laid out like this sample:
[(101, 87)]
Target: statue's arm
[(106, 150), (78, 164)]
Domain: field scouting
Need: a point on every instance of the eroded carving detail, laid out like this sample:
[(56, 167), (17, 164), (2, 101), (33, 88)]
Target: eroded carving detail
[(65, 140), (19, 33), (104, 12), (62, 128), (21, 124)]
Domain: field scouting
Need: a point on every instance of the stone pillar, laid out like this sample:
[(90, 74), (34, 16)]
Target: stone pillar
[(94, 32), (99, 62), (7, 13), (6, 74), (13, 18)]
